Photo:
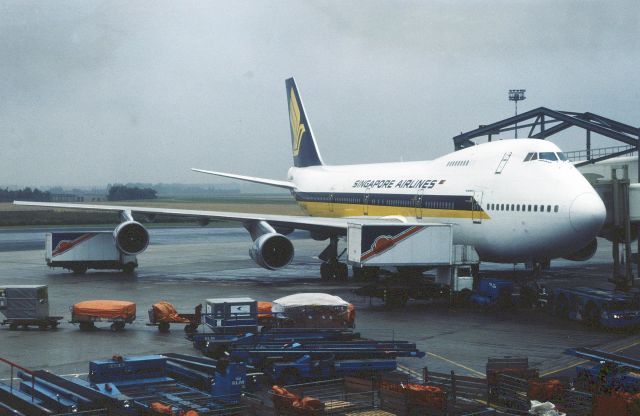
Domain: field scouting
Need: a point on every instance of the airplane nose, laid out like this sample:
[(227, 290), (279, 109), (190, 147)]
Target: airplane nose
[(587, 213)]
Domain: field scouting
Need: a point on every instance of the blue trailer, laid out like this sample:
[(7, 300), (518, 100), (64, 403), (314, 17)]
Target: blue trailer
[(307, 368), (597, 307), (133, 386), (611, 372)]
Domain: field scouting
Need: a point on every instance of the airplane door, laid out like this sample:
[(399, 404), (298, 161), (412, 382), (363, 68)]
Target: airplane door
[(476, 207), (418, 203), (365, 202)]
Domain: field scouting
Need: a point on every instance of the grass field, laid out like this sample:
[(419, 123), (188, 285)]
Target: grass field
[(17, 215)]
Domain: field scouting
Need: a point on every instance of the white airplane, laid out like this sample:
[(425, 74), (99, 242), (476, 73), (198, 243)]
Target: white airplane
[(513, 200)]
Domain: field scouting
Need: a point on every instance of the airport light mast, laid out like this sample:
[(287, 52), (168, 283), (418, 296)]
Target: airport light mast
[(515, 96)]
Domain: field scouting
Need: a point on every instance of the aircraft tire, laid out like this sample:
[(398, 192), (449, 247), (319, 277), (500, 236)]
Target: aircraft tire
[(342, 271), (326, 271)]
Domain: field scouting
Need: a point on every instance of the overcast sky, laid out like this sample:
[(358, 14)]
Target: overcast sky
[(95, 92)]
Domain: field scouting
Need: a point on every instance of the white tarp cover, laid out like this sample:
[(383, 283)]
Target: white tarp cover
[(307, 299), (544, 409)]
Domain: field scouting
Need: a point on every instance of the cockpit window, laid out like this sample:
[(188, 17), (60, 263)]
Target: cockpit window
[(562, 156), (548, 156), (529, 156)]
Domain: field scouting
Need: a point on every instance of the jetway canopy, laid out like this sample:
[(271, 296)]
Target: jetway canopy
[(543, 122)]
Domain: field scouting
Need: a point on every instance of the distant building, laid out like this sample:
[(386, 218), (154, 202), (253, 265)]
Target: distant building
[(66, 198)]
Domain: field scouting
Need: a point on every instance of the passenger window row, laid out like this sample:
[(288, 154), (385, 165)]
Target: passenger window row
[(523, 207)]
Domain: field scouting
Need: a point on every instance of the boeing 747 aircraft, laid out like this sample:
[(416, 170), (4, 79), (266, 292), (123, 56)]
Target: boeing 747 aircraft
[(513, 200)]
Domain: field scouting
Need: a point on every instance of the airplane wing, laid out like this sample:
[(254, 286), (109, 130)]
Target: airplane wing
[(263, 181), (335, 226)]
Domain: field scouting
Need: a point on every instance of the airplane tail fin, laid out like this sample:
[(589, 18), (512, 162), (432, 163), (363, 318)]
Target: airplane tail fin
[(305, 149)]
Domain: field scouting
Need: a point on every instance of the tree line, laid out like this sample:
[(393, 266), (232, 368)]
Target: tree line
[(26, 194), (125, 193)]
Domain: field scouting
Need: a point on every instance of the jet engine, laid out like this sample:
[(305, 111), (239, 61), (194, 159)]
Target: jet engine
[(131, 237), (272, 251), (585, 253)]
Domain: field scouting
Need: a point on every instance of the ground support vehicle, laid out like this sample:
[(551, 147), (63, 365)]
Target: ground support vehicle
[(410, 249), (397, 290), (26, 305), (79, 251), (493, 292), (292, 356), (214, 345), (87, 313), (171, 384), (608, 372), (597, 307), (191, 321), (231, 315)]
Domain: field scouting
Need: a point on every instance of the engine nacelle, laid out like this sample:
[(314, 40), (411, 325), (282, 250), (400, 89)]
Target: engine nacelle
[(585, 253), (272, 251), (131, 238)]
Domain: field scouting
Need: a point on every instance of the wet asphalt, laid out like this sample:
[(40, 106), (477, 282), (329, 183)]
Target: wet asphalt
[(184, 266)]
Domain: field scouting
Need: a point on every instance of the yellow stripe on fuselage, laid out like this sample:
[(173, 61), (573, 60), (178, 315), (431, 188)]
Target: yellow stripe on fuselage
[(326, 209)]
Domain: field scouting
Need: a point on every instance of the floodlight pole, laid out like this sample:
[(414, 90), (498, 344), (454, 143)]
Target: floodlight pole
[(515, 96)]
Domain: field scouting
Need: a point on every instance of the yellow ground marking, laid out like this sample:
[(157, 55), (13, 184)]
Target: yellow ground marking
[(633, 344)]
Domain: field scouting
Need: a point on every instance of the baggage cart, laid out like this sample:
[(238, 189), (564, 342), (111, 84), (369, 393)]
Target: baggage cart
[(43, 323), (87, 313), (26, 305), (191, 321)]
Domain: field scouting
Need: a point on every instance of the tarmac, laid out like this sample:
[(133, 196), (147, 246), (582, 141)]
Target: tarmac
[(185, 266)]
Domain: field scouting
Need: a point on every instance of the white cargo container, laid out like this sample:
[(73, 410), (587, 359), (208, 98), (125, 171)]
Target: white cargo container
[(414, 244), (79, 251)]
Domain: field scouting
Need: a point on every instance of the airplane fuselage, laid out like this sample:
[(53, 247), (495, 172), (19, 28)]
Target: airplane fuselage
[(509, 209)]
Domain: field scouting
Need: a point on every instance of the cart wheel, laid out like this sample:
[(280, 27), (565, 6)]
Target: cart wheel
[(13, 327), (190, 328), (54, 325), (79, 269), (129, 268), (86, 326), (117, 326), (164, 326)]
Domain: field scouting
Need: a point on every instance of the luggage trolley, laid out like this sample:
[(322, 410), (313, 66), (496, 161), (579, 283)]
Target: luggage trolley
[(118, 312), (26, 305)]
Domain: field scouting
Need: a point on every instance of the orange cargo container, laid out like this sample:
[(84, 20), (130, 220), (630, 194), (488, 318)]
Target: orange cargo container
[(117, 311)]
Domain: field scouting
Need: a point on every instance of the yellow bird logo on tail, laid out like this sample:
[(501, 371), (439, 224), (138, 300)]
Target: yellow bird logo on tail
[(297, 128)]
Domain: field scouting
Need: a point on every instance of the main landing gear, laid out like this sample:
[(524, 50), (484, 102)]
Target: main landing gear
[(332, 268)]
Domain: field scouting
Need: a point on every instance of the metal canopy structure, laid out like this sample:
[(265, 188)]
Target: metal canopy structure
[(543, 122)]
